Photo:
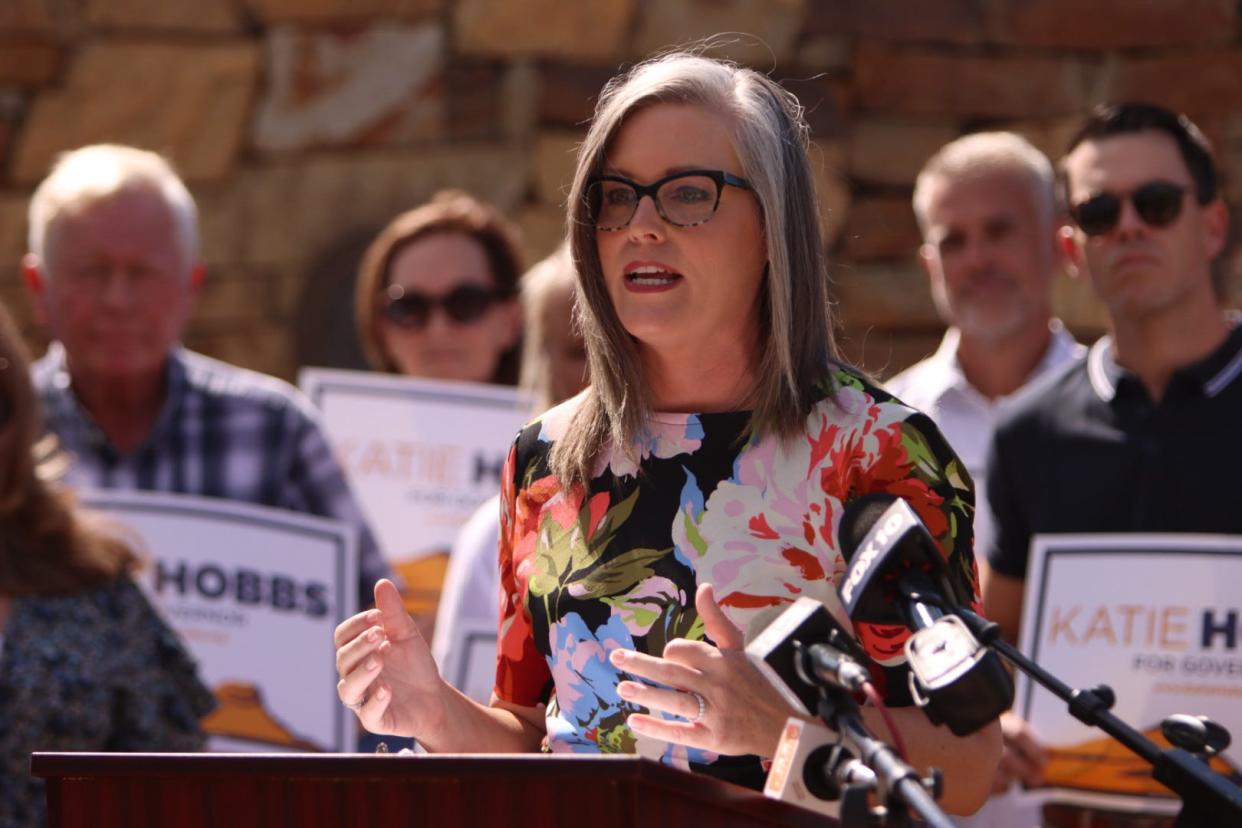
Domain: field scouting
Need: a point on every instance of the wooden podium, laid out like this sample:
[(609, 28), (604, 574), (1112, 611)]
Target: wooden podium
[(141, 790)]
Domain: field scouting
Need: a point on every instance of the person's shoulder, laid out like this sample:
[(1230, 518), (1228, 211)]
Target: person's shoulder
[(920, 384), (239, 386), (1223, 374), (1044, 410), (861, 411), (533, 444), (142, 648), (483, 518), (118, 597), (847, 391), (903, 380), (552, 424), (1046, 397), (101, 610)]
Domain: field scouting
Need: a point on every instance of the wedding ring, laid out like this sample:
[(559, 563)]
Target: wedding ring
[(698, 717), (356, 706)]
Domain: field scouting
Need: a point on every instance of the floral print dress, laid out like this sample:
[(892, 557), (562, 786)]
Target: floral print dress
[(617, 565)]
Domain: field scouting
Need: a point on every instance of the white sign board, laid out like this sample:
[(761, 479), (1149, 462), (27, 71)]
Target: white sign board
[(470, 664), (255, 594), (421, 455), (1156, 617)]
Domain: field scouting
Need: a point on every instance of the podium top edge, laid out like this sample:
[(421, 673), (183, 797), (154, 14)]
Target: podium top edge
[(469, 771), (48, 764)]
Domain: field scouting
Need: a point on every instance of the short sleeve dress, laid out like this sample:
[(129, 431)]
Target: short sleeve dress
[(701, 499)]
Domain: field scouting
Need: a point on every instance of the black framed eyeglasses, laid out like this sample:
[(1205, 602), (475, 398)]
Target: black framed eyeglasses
[(412, 309), (1158, 204), (683, 199)]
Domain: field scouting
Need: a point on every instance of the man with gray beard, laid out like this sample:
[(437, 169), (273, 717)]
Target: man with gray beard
[(986, 206)]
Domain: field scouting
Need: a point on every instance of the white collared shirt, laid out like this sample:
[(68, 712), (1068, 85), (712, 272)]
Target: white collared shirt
[(937, 387)]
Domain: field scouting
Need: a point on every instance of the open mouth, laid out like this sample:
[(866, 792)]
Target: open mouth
[(651, 276)]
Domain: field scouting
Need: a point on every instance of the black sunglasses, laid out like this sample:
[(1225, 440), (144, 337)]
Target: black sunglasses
[(683, 199), (411, 309), (1158, 204)]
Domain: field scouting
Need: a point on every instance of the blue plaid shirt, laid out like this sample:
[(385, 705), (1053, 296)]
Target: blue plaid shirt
[(223, 432)]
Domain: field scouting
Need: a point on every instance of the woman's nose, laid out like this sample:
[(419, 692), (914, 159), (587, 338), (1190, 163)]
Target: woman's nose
[(646, 222)]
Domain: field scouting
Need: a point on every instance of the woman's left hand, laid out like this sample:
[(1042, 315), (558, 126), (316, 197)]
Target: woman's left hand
[(741, 711)]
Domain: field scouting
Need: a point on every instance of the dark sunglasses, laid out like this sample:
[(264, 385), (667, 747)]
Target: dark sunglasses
[(683, 199), (411, 309), (1158, 204)]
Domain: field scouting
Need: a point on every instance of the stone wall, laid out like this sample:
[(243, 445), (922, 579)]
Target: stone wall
[(303, 125)]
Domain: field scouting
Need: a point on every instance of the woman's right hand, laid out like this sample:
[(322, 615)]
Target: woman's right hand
[(386, 666)]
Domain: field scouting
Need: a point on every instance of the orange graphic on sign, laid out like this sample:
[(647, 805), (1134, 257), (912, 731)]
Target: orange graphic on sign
[(423, 580), (240, 714), (1105, 765)]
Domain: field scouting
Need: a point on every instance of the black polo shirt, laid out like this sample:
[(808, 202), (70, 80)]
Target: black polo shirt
[(1086, 450)]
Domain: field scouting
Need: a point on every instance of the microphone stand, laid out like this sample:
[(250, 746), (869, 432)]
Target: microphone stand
[(896, 784), (1208, 799)]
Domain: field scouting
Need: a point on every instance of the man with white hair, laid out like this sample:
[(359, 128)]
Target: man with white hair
[(986, 204), (113, 269)]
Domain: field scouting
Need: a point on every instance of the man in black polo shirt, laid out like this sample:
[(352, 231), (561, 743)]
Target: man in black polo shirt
[(1141, 435)]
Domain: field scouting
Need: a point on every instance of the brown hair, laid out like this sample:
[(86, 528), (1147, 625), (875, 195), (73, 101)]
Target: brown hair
[(449, 211), (797, 346), (47, 547)]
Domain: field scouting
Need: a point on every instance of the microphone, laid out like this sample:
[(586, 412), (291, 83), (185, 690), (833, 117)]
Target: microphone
[(896, 576), (809, 763), (810, 768), (801, 649)]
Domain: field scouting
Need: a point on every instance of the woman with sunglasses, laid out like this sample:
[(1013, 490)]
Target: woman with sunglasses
[(437, 293), (701, 477), (85, 663)]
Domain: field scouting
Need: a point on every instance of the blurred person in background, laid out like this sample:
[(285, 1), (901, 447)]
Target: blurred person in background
[(437, 298), (86, 664), (554, 358), (986, 205), (1141, 435), (698, 479), (114, 271), (554, 369), (437, 293)]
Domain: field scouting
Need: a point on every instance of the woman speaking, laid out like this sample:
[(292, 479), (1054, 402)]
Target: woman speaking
[(699, 479)]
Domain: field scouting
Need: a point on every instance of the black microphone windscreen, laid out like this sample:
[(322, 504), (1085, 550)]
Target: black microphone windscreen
[(858, 518)]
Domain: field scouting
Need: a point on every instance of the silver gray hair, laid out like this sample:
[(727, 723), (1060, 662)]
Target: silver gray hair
[(93, 173), (771, 138), (986, 152)]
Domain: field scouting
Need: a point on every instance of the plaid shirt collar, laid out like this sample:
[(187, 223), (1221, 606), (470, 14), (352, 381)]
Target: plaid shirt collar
[(67, 415)]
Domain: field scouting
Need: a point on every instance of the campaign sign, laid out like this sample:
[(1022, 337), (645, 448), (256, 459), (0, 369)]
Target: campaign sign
[(470, 663), (421, 455), (255, 593), (1156, 617)]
